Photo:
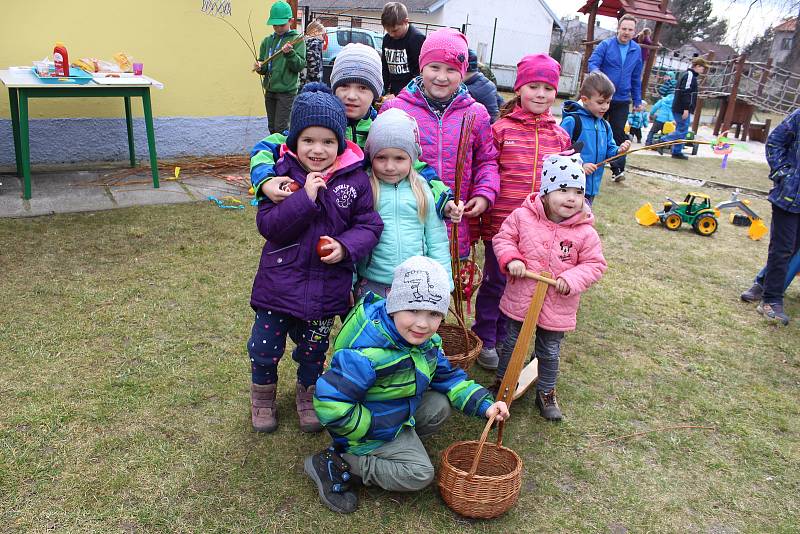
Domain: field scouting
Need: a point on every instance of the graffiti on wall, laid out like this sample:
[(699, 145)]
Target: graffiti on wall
[(219, 8)]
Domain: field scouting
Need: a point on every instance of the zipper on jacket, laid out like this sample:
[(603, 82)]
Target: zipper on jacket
[(536, 153), (396, 225)]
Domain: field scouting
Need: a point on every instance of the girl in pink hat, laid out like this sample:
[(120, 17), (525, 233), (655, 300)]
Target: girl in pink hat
[(524, 136), (438, 101)]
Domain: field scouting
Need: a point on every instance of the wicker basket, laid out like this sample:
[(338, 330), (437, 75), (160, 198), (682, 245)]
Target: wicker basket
[(460, 344), (479, 479)]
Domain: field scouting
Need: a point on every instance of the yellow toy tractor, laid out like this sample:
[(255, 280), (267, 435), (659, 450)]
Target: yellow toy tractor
[(695, 210)]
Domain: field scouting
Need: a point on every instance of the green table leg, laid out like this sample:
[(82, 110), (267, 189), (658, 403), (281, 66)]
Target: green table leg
[(129, 123), (14, 100), (151, 137), (24, 143)]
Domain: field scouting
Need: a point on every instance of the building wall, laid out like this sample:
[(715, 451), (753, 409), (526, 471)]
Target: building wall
[(779, 53), (211, 103)]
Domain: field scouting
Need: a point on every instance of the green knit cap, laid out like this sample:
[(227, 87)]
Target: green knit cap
[(279, 13)]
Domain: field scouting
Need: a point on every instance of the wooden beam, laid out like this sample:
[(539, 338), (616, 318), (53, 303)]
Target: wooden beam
[(589, 37), (737, 78)]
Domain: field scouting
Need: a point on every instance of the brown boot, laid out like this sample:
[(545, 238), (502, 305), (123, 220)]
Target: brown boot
[(305, 409), (262, 406)]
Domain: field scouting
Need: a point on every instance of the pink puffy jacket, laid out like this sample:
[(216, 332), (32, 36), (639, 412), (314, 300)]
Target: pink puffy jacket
[(439, 141), (570, 250)]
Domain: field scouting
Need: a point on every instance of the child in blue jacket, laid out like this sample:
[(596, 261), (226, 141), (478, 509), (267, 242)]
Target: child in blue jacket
[(584, 122), (637, 120), (660, 114), (783, 153)]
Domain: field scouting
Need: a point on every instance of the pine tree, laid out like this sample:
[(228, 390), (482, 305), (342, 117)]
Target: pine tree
[(695, 22)]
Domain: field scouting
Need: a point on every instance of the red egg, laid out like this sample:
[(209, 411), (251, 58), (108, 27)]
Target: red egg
[(321, 243), (294, 186)]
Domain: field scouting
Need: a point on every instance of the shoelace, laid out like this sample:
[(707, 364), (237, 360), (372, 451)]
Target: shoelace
[(337, 469)]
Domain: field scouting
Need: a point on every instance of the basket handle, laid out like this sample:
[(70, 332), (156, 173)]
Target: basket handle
[(482, 442), (463, 327)]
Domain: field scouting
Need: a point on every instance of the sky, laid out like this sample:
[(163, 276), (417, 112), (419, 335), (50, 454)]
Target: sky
[(743, 27)]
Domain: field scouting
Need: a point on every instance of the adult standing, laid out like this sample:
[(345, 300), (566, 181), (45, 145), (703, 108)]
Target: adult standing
[(401, 47), (620, 58), (683, 104)]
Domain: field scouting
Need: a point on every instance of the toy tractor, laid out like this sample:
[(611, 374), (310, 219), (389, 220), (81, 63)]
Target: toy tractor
[(695, 210)]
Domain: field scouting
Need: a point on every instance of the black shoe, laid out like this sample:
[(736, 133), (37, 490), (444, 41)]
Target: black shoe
[(680, 156), (548, 405), (618, 176), (753, 294), (332, 476)]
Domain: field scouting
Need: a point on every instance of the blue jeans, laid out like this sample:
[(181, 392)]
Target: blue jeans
[(794, 268), (681, 129), (546, 350)]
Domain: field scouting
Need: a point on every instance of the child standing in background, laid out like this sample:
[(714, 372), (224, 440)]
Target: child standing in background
[(314, 237), (660, 114), (524, 136), (404, 202), (553, 216), (584, 122), (636, 121), (281, 74)]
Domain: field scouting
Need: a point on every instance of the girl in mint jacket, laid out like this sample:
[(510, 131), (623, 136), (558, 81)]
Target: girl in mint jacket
[(404, 202)]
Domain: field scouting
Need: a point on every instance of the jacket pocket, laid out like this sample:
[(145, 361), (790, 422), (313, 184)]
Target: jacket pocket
[(281, 256)]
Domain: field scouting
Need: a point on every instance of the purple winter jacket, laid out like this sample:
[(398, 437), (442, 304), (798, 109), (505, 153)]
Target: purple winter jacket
[(291, 278)]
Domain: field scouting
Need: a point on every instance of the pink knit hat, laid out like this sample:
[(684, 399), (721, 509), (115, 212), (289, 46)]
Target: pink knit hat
[(537, 68), (446, 46)]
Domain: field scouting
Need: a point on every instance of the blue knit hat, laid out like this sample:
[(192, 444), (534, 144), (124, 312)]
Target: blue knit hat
[(472, 61), (315, 105)]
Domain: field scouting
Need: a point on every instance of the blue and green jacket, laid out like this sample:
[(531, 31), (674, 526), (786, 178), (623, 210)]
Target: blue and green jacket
[(376, 380), (267, 152), (783, 156)]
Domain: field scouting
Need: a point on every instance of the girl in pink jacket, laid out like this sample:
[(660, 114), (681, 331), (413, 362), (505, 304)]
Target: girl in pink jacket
[(550, 232), (524, 136), (438, 101)]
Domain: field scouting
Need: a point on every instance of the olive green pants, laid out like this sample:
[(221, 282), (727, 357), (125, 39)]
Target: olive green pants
[(403, 464)]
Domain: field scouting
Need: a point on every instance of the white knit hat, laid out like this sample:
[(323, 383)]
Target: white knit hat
[(560, 172), (394, 128), (358, 63), (419, 283)]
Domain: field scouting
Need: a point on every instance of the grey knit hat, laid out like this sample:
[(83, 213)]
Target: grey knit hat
[(562, 171), (394, 128), (358, 63), (419, 283)]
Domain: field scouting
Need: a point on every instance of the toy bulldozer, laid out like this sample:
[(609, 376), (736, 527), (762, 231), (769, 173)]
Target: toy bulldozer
[(695, 210), (757, 227)]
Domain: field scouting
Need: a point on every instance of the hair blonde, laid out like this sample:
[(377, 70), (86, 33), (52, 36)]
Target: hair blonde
[(418, 187)]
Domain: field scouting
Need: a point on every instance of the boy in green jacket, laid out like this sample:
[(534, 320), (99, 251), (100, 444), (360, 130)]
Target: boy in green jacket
[(282, 73)]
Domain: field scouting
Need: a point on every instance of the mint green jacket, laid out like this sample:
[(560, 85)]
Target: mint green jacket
[(403, 234)]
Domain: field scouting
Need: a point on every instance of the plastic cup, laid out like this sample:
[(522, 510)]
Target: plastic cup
[(41, 68), (137, 69)]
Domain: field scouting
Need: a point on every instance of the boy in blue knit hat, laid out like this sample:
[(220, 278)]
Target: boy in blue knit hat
[(314, 237)]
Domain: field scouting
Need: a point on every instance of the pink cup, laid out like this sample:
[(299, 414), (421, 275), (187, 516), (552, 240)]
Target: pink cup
[(137, 69)]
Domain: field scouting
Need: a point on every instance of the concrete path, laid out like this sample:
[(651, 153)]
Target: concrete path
[(79, 190)]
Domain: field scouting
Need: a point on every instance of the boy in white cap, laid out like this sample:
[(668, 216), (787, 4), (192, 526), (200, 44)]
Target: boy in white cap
[(554, 215), (389, 384)]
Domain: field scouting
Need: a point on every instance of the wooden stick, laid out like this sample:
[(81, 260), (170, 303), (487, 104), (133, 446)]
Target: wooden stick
[(510, 379), (651, 147), (635, 434), (314, 29), (540, 278)]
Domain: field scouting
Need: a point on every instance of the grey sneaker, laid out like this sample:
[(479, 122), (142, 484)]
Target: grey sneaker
[(548, 405), (488, 359), (773, 312), (753, 294), (332, 476)]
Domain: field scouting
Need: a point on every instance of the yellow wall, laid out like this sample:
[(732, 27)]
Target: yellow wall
[(202, 62)]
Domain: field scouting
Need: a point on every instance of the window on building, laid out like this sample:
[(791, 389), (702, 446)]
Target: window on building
[(786, 43)]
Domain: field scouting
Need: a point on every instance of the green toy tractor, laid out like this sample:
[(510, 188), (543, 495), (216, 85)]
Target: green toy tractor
[(695, 210)]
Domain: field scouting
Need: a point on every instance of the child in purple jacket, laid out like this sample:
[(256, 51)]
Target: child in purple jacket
[(314, 237)]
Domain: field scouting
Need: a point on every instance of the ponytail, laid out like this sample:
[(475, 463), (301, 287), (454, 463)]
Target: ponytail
[(509, 106)]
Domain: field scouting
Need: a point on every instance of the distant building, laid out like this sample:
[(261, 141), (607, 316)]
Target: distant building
[(782, 43), (721, 52), (573, 34)]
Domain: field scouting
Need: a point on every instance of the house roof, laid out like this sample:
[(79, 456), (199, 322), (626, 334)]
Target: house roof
[(720, 50), (787, 25), (413, 6), (645, 9)]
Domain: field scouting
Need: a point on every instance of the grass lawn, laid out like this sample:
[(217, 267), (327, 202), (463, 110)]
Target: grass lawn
[(125, 379)]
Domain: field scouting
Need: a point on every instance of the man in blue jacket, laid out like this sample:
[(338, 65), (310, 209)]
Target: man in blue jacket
[(620, 58)]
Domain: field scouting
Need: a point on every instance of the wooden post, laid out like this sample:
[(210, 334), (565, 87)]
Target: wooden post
[(651, 58), (726, 123), (589, 37), (698, 107), (764, 77)]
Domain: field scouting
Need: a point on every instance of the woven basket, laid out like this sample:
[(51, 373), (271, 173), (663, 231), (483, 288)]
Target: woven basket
[(461, 345), (478, 479)]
